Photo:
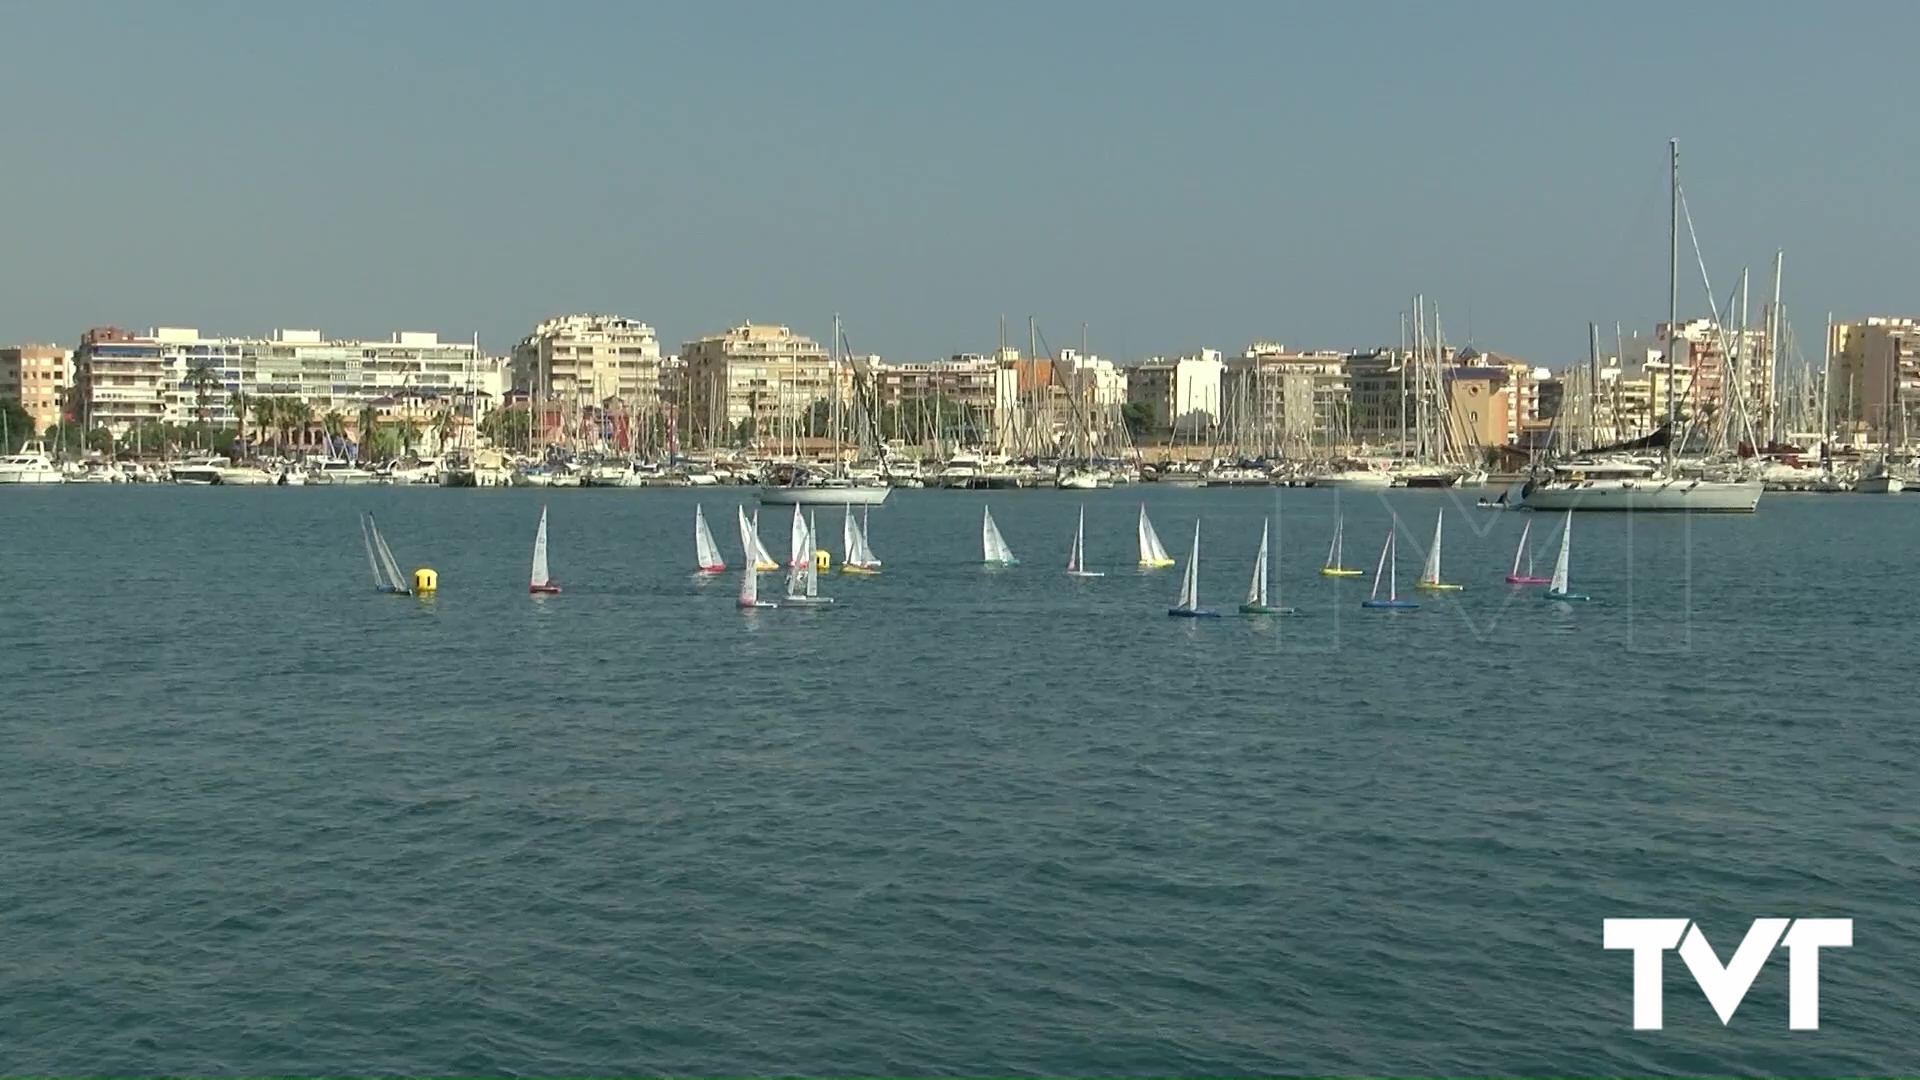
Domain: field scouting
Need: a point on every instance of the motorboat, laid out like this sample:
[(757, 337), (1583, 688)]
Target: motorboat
[(32, 465), (1623, 484)]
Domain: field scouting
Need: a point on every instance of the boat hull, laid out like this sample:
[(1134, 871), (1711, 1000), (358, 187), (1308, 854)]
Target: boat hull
[(1333, 571), (1192, 613), (1550, 595), (1263, 609), (808, 601), (824, 496), (1086, 573), (1522, 579), (757, 605), (543, 590), (1659, 496), (33, 476), (1439, 586), (1390, 605), (1880, 485)]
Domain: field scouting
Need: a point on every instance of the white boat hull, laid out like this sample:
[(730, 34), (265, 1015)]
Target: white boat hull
[(1650, 496), (245, 477), (824, 496), (1880, 485), (1377, 481), (33, 476)]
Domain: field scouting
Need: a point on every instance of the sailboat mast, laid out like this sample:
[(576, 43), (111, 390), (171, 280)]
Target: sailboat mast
[(1673, 281), (1771, 405), (1593, 385)]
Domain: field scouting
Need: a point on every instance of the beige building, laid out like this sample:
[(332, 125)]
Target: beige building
[(1869, 391), (37, 376), (1283, 401), (979, 383), (589, 359), (757, 381), (1184, 393)]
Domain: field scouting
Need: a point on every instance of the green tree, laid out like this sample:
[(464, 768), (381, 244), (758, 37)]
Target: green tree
[(294, 415), (366, 422), (1139, 418), (16, 425), (408, 434), (443, 428), (266, 413)]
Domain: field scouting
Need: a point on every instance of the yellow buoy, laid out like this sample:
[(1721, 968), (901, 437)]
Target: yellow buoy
[(425, 582), (823, 560)]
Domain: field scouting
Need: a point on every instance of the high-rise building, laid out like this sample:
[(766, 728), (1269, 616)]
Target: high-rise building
[(755, 381), (590, 359), (1281, 401), (1873, 379), (1184, 393), (37, 376)]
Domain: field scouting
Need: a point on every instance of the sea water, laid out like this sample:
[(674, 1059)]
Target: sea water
[(259, 819)]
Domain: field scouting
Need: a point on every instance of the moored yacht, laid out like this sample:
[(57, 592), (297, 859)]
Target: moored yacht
[(32, 465), (1629, 484)]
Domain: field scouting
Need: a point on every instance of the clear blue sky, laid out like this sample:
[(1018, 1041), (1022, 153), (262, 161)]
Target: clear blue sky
[(1172, 175)]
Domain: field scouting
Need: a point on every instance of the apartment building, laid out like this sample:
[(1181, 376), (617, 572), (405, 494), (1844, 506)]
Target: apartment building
[(590, 359), (38, 377)]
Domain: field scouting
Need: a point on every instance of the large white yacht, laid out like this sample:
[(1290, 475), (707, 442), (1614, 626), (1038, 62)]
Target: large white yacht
[(201, 471), (341, 471), (1638, 485), (32, 465)]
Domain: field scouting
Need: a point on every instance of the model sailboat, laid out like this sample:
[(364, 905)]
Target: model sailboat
[(1430, 577), (1333, 567), (856, 556), (749, 568), (761, 558), (1557, 589), (386, 572), (1152, 554), (994, 549), (803, 581), (541, 582), (1525, 550), (1077, 557), (1188, 606), (1392, 570), (704, 549), (1257, 591), (799, 545)]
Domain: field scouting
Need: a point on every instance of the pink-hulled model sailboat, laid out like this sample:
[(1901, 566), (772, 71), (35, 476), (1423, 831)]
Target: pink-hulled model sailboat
[(1525, 550)]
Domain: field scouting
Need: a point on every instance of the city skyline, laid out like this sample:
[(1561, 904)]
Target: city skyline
[(924, 172)]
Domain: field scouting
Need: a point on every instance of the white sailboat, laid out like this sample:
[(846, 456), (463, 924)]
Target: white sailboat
[(1334, 567), (994, 549), (1152, 554), (1390, 565), (856, 556), (750, 569), (803, 581), (799, 546), (1257, 591), (386, 572), (1558, 588), (762, 558), (1525, 550), (541, 582), (1430, 577), (1188, 606), (704, 549), (1077, 557)]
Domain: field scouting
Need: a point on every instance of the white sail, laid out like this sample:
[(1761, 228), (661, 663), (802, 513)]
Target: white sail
[(373, 562), (1152, 553), (1257, 591), (704, 548), (799, 549), (540, 552), (993, 546), (1333, 549), (1077, 555), (761, 557), (750, 573), (1190, 584), (1526, 531), (811, 574), (853, 541), (1431, 574), (1386, 556), (1560, 564), (387, 562)]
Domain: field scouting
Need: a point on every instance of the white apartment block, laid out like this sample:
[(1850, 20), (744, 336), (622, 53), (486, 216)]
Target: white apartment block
[(1184, 393), (588, 359), (175, 375), (1096, 382)]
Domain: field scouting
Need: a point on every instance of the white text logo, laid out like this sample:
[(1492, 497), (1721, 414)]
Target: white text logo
[(1726, 986)]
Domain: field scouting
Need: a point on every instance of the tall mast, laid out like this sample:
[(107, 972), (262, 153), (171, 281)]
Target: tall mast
[(1593, 384), (1826, 385), (1673, 281), (1769, 407), (1743, 369), (1403, 384)]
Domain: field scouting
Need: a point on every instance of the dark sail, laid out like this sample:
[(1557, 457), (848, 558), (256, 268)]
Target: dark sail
[(1656, 441)]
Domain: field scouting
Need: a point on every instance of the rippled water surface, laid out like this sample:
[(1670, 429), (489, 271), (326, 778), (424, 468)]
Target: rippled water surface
[(260, 820)]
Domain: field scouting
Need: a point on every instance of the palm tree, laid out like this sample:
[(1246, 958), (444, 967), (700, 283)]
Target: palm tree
[(409, 434), (335, 425), (238, 404), (366, 422), (266, 411), (443, 428), (203, 378), (294, 415)]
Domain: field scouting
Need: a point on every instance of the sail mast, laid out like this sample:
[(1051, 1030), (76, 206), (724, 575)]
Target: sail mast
[(1673, 282)]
